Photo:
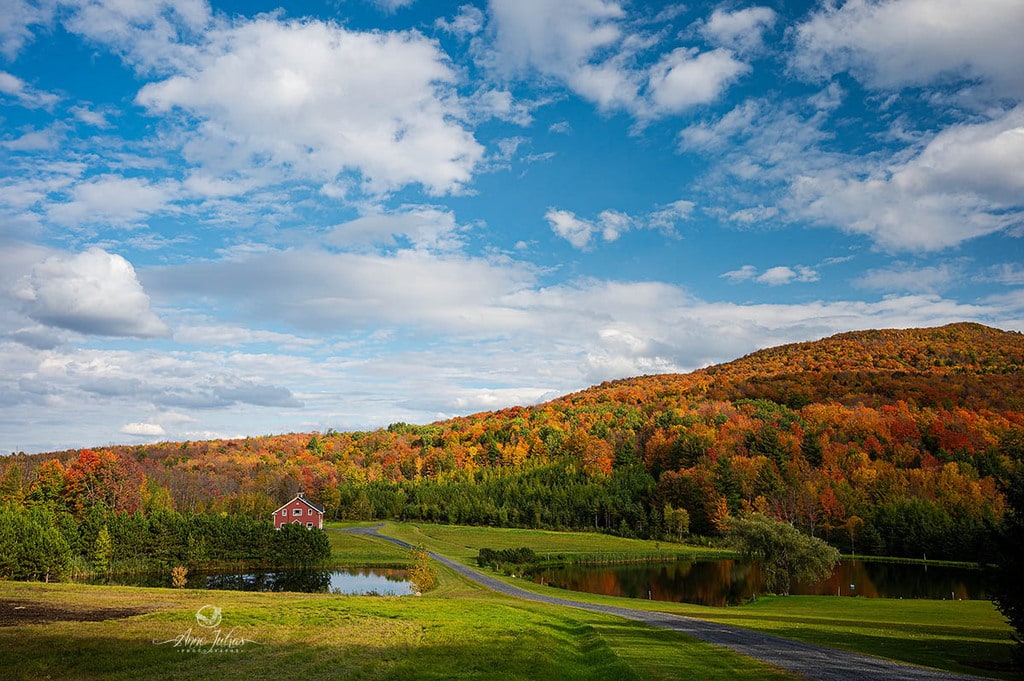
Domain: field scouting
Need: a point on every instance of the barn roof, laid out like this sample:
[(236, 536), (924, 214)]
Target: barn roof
[(301, 497)]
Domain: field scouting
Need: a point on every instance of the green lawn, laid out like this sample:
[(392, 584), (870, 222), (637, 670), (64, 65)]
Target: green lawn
[(354, 550), (962, 636), (457, 632), (463, 543), (460, 630)]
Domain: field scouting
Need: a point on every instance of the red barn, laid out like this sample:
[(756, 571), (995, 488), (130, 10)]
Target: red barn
[(300, 511)]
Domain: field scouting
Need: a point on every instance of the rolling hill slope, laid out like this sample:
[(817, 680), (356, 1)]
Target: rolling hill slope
[(890, 441)]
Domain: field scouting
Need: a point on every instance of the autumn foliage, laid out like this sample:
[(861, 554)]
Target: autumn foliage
[(878, 442)]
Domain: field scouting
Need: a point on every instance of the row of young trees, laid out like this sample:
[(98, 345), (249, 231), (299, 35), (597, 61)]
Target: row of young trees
[(99, 513), (38, 542)]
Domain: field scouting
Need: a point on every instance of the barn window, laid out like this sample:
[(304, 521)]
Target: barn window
[(309, 526), (309, 511), (296, 511)]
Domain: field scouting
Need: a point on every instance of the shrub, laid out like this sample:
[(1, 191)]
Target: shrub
[(421, 572), (179, 577)]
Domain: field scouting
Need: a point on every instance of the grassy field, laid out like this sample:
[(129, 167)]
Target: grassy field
[(459, 630), (962, 636), (456, 632), (354, 550), (463, 543)]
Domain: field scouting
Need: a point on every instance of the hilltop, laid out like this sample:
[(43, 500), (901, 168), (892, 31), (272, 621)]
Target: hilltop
[(965, 364), (891, 441)]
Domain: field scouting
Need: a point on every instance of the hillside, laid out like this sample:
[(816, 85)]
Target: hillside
[(881, 441), (966, 365)]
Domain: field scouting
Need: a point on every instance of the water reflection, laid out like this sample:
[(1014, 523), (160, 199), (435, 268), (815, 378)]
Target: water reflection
[(730, 582), (349, 581)]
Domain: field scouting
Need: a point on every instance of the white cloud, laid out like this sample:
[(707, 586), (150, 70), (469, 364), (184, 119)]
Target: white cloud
[(745, 273), (488, 320), (750, 216), (684, 78), (150, 36), (951, 186), (94, 293), (576, 41), (902, 278), (773, 276), (113, 200), (349, 292), (895, 43), (966, 182), (315, 100), (591, 47), (665, 219), (392, 6), (467, 22), (143, 429), (34, 140), (97, 119), (741, 31), (491, 103), (425, 227), (24, 94), (571, 228), (611, 224), (1009, 274), (16, 21)]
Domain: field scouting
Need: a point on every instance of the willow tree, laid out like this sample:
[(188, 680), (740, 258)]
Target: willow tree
[(785, 554)]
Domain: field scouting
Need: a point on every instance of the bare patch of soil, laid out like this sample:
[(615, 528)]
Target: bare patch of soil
[(16, 612)]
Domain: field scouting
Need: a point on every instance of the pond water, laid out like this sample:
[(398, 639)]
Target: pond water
[(349, 581), (730, 582)]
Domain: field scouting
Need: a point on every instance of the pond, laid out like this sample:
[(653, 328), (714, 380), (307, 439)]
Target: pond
[(730, 582), (348, 581)]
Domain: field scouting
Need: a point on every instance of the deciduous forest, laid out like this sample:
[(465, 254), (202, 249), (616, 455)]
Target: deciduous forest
[(889, 442)]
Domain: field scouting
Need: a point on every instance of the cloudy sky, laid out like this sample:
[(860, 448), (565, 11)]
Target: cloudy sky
[(224, 219)]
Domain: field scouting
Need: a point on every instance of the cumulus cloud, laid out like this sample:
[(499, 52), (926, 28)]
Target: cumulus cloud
[(143, 429), (946, 188), (315, 100), (147, 35), (773, 276), (95, 293), (966, 182), (566, 225), (591, 47), (611, 224), (488, 320), (570, 41), (895, 43), (113, 200), (741, 31), (685, 78)]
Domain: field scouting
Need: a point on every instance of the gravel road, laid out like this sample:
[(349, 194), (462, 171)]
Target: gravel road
[(810, 661)]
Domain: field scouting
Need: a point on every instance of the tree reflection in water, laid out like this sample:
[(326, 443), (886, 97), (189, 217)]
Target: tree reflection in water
[(730, 582)]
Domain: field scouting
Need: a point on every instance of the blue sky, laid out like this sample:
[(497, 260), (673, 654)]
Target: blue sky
[(220, 220)]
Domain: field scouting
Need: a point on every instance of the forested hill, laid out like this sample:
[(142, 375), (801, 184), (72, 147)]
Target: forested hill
[(880, 441), (966, 365)]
